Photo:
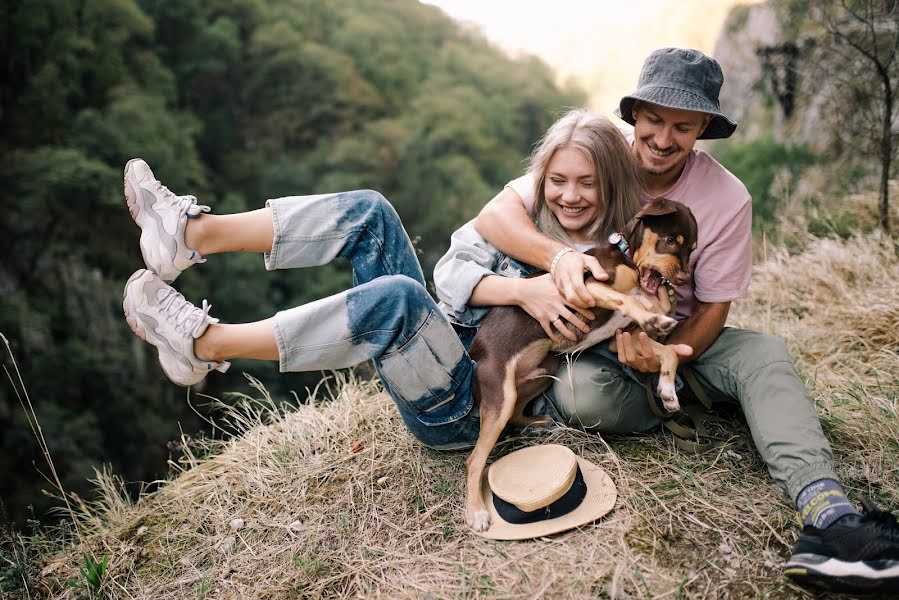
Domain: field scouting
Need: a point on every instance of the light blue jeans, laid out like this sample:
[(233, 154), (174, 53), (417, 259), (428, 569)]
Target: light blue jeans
[(388, 316)]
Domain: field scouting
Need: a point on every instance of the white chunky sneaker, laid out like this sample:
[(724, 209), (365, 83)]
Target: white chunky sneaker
[(160, 315), (162, 217)]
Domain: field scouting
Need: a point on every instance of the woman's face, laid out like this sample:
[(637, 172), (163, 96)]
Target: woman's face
[(571, 192)]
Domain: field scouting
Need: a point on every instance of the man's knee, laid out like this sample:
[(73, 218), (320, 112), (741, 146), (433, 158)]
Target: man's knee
[(598, 396), (747, 351)]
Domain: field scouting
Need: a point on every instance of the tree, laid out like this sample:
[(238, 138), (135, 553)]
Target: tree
[(870, 30)]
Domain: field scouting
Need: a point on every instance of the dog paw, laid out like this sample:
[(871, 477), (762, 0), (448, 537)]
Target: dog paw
[(669, 397), (659, 325), (480, 520)]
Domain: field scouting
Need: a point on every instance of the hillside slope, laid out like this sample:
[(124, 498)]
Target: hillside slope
[(335, 499)]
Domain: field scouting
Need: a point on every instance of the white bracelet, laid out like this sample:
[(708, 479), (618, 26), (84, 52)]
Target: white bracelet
[(559, 254)]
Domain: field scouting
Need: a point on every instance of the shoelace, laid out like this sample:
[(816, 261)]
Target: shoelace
[(184, 316), (186, 204)]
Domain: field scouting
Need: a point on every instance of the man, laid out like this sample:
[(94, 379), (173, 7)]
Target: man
[(675, 104)]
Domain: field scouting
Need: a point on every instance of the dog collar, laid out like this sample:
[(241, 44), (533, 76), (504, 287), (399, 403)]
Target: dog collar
[(617, 240)]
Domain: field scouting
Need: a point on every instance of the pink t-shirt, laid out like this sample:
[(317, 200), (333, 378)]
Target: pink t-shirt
[(722, 261)]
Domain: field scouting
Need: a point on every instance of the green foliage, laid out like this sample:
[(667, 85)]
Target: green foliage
[(235, 101), (757, 163), (92, 572)]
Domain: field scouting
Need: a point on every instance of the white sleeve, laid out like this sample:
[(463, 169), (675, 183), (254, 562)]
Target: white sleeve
[(524, 187)]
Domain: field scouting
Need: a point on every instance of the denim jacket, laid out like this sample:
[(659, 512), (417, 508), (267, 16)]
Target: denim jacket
[(469, 259)]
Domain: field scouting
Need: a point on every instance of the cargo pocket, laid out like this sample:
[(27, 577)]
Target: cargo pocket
[(430, 374)]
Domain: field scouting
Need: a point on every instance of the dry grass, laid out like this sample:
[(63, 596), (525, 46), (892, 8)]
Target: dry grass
[(320, 520)]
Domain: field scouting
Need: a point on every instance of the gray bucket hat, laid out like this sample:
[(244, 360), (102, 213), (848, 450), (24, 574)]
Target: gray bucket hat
[(686, 79)]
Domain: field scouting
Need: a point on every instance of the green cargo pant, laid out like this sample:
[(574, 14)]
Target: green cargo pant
[(753, 369)]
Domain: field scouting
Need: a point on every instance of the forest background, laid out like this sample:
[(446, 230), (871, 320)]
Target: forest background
[(235, 101)]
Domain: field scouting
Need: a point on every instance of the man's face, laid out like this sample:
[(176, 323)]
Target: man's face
[(664, 137)]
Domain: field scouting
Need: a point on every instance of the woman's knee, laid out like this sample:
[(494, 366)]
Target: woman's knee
[(405, 291), (374, 205)]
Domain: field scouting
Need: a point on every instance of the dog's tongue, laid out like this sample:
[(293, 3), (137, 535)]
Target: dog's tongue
[(650, 281)]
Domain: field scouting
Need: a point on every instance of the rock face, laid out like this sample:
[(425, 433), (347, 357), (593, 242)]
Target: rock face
[(775, 81), (745, 30)]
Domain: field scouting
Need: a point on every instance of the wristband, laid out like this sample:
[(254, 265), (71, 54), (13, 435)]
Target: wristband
[(559, 254)]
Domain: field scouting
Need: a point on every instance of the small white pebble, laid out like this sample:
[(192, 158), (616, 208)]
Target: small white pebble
[(142, 530), (734, 455), (237, 524), (725, 548), (295, 525), (382, 480)]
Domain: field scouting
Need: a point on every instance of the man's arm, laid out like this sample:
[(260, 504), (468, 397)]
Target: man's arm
[(504, 222), (701, 329), (691, 338)]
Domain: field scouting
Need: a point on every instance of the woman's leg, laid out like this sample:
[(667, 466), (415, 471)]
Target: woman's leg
[(251, 231), (391, 320), (296, 231), (226, 341)]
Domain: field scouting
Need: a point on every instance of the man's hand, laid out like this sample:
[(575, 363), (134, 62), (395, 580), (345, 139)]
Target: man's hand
[(540, 299), (569, 278), (641, 357)]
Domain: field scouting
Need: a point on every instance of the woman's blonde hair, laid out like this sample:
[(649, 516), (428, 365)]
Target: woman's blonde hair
[(615, 169)]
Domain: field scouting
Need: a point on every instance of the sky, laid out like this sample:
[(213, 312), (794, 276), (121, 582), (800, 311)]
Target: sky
[(600, 44)]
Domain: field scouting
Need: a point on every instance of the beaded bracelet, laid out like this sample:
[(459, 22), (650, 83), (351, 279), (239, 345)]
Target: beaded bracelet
[(559, 254)]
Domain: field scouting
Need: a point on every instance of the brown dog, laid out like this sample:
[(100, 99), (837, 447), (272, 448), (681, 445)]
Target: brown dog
[(516, 360)]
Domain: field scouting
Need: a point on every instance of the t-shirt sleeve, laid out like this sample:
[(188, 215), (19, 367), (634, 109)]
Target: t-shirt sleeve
[(524, 187), (725, 268)]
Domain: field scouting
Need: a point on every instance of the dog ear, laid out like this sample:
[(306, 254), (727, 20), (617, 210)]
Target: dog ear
[(657, 208)]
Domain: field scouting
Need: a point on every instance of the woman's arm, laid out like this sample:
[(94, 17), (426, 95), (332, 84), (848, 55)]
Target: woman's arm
[(538, 296), (465, 280), (504, 222)]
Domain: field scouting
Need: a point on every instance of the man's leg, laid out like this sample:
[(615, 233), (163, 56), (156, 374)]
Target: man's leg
[(838, 549), (756, 370), (594, 393)]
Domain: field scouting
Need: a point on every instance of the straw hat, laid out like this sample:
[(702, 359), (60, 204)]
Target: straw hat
[(541, 490)]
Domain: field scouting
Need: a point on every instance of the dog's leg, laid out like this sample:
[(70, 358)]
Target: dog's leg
[(497, 396), (667, 393), (533, 378), (668, 360), (650, 322), (534, 384)]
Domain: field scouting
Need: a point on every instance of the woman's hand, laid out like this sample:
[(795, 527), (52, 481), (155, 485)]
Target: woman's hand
[(569, 278), (641, 357), (540, 298)]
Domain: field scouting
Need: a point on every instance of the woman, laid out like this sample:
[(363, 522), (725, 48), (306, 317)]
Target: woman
[(586, 187)]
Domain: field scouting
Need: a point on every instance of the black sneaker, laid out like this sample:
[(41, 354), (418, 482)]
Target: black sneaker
[(857, 553)]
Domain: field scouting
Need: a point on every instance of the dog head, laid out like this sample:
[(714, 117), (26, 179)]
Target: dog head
[(662, 235)]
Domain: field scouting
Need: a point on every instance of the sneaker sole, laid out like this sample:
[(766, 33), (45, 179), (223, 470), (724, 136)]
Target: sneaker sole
[(839, 576), (150, 228), (133, 323), (129, 318)]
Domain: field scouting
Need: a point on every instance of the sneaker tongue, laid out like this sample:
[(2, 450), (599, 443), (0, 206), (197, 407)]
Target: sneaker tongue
[(198, 319), (186, 317)]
